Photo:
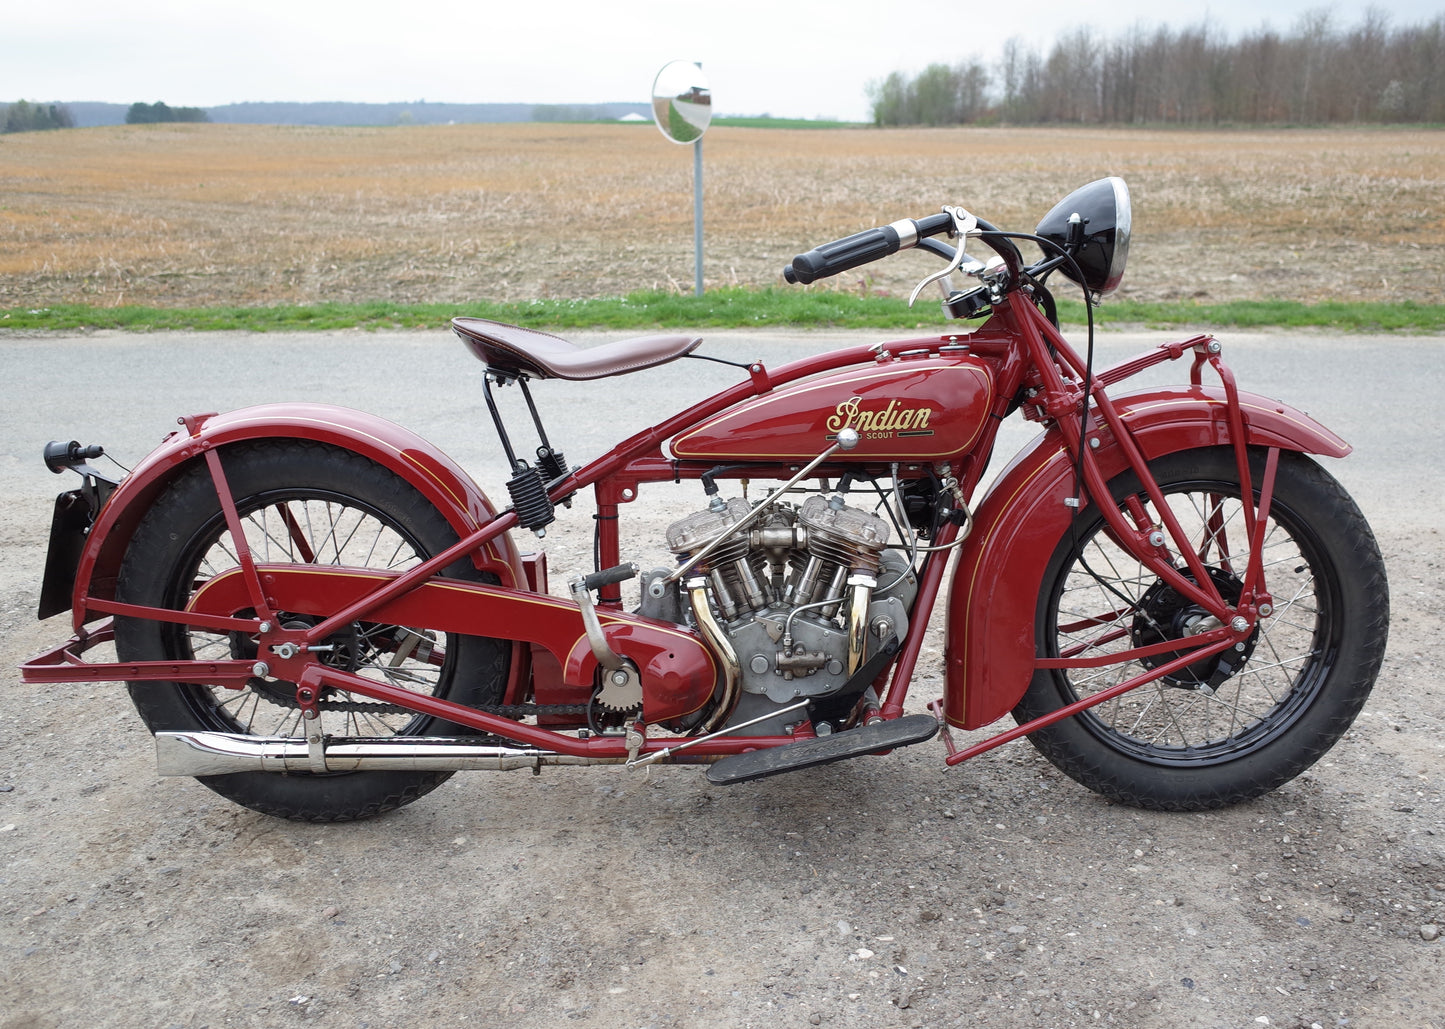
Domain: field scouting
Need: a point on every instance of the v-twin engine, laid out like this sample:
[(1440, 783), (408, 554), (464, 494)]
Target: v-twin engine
[(805, 595)]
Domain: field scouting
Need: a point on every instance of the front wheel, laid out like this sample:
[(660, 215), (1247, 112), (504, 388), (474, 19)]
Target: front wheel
[(1235, 726), (311, 504)]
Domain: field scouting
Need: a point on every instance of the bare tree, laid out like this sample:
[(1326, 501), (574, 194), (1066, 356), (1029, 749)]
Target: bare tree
[(1191, 76)]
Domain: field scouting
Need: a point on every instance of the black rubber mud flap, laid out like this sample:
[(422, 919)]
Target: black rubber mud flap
[(758, 764)]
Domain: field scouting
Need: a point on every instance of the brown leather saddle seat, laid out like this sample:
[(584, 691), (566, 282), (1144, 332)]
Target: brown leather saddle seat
[(513, 350)]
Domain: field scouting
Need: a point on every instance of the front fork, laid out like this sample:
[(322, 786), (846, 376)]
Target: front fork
[(1150, 542), (1159, 546)]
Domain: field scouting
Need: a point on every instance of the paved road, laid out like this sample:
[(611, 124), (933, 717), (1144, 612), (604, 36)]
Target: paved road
[(1379, 392)]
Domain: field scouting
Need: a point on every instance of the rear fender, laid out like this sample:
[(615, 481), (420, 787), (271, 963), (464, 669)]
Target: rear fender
[(994, 594), (433, 474)]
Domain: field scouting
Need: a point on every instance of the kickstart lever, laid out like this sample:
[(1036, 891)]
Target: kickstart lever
[(581, 589), (621, 684)]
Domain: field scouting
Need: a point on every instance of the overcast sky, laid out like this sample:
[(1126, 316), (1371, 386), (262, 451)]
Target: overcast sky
[(784, 57)]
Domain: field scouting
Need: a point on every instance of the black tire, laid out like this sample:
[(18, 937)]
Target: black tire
[(296, 496), (1274, 709)]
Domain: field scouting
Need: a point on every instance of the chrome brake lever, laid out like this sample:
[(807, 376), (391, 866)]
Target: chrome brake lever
[(963, 224)]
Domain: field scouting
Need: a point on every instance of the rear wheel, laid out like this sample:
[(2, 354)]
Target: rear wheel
[(1235, 726), (314, 504)]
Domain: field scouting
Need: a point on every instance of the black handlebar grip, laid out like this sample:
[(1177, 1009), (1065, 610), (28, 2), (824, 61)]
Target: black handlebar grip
[(934, 224), (831, 258), (863, 247)]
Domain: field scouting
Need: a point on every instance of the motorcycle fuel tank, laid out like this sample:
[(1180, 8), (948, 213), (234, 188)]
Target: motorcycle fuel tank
[(906, 409)]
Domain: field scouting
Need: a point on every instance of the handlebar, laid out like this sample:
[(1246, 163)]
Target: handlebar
[(863, 248), (873, 244)]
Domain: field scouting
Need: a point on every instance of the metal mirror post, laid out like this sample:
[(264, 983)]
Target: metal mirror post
[(682, 109)]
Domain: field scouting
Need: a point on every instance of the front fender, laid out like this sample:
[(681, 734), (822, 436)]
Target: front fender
[(990, 652), (433, 474)]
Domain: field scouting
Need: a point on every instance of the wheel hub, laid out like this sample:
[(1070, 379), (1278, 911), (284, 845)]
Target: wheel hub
[(345, 652), (1163, 614)]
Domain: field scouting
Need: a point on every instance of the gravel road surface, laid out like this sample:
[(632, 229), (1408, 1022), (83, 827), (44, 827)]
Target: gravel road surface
[(878, 892)]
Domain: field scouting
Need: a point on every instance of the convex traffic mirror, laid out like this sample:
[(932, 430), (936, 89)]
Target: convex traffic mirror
[(681, 101)]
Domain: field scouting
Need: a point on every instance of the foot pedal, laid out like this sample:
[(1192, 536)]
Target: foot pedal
[(759, 764)]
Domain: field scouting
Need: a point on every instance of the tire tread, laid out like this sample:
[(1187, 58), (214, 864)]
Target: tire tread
[(190, 500), (1126, 780)]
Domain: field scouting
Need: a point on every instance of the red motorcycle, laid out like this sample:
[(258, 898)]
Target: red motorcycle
[(321, 616)]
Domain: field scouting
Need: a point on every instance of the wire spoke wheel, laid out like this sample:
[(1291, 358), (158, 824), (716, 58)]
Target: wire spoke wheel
[(1239, 723), (308, 526), (1110, 603), (302, 503)]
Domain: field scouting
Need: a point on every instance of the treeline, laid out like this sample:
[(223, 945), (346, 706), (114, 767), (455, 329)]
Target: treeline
[(1316, 74), (153, 114), (23, 116), (573, 112)]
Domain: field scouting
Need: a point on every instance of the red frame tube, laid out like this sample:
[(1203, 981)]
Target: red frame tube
[(1069, 710)]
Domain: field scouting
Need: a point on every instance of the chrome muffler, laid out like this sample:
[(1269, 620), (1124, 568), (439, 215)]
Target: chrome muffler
[(219, 753)]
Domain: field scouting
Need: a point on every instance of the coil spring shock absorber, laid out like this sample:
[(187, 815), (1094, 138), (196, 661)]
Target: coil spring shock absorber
[(529, 498)]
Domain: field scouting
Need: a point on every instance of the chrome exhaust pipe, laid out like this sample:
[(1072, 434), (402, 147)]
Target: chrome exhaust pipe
[(219, 753)]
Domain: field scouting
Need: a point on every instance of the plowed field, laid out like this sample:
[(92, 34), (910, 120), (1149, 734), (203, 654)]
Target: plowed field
[(232, 214)]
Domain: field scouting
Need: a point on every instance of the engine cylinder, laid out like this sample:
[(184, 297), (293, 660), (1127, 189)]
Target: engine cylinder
[(795, 592), (844, 535)]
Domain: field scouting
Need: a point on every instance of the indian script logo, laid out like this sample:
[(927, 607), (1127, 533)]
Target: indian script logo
[(873, 423)]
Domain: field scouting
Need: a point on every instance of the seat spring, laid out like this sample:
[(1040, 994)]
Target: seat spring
[(529, 498), (551, 463)]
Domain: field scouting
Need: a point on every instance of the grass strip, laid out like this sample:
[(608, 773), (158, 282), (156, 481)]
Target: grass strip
[(1350, 316), (724, 308)]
